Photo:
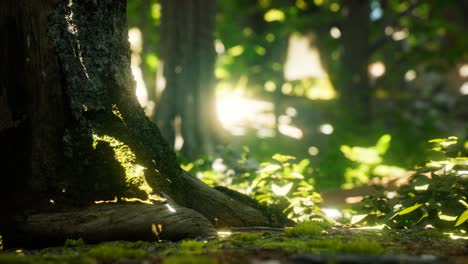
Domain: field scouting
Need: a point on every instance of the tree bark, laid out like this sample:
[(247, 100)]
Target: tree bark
[(131, 222), (74, 132)]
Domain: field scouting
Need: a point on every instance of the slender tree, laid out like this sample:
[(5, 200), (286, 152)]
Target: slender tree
[(187, 104)]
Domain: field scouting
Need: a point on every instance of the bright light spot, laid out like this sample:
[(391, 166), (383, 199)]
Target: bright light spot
[(391, 195), (334, 7), (335, 32), (236, 50), (136, 44), (377, 69), (51, 201), (389, 30), (141, 92), (287, 88), (303, 60), (134, 37), (171, 209), (266, 133), (318, 2), (353, 199), (281, 190), (290, 131), (218, 165), (326, 129), (274, 15), (179, 139), (376, 12), (421, 187), (236, 112), (410, 75), (463, 71), (455, 237), (291, 111), (313, 151), (219, 47), (399, 35), (464, 88), (332, 213), (270, 86), (224, 233)]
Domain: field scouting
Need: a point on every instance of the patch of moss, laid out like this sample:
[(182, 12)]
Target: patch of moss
[(246, 237), (16, 259), (189, 260), (362, 247), (74, 242), (191, 245), (308, 228), (108, 252)]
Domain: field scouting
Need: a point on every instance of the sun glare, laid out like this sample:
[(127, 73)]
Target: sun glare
[(235, 112)]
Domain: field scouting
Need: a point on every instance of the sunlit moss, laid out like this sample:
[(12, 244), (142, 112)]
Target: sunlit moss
[(116, 112), (361, 246), (134, 173), (107, 252), (308, 228)]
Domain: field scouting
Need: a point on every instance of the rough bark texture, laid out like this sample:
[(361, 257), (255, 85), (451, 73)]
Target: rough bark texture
[(188, 57), (73, 129)]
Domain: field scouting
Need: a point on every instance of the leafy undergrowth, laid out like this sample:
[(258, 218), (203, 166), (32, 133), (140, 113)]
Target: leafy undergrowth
[(284, 247)]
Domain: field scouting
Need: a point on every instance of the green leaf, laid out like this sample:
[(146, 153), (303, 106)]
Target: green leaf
[(383, 143), (462, 218), (282, 158), (409, 209), (358, 218)]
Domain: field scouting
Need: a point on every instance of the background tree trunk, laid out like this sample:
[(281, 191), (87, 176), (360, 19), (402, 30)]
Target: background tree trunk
[(187, 105), (72, 127)]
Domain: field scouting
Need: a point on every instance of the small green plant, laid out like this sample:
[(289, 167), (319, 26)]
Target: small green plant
[(281, 182), (191, 246), (368, 163), (308, 228), (436, 193)]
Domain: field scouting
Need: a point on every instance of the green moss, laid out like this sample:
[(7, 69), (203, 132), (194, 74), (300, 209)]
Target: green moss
[(74, 243), (108, 252), (246, 237), (16, 259), (361, 246), (191, 247), (189, 260), (308, 228)]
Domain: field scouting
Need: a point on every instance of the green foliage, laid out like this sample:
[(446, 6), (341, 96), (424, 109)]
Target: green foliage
[(308, 228), (281, 182), (108, 252), (368, 163), (436, 193)]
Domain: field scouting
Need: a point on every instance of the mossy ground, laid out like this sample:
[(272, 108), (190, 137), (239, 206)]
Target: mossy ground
[(243, 247)]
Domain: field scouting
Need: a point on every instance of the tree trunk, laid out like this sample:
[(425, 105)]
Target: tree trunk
[(72, 127), (188, 57)]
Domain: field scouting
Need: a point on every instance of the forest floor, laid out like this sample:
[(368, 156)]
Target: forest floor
[(337, 245)]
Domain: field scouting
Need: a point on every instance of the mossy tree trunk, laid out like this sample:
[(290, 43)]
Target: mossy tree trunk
[(73, 131)]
